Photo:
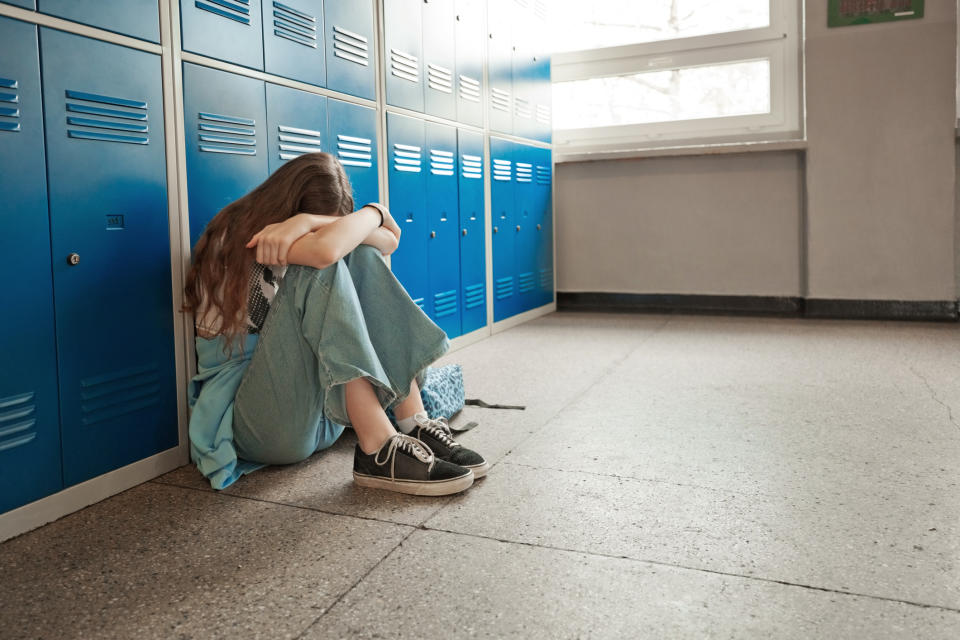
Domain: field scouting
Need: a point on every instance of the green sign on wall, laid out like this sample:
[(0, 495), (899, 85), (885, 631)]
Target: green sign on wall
[(843, 13)]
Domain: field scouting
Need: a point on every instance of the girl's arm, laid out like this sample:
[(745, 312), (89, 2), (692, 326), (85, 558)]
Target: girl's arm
[(274, 241)]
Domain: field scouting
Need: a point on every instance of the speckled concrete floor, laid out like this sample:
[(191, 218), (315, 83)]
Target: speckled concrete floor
[(672, 477)]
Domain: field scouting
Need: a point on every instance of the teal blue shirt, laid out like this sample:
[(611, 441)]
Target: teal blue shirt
[(211, 396)]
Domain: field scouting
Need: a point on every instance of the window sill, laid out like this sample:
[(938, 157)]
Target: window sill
[(561, 156)]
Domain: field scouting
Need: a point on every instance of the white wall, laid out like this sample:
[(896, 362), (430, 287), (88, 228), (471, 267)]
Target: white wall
[(878, 219)]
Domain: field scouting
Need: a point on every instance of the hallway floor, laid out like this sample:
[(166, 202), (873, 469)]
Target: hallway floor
[(671, 477)]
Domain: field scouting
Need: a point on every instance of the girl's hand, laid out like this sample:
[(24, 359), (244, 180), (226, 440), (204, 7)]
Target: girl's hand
[(274, 240)]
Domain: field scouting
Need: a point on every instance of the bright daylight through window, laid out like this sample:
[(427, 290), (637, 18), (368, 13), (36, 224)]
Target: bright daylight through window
[(630, 75)]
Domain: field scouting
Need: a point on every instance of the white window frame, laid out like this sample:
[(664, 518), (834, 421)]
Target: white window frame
[(780, 42)]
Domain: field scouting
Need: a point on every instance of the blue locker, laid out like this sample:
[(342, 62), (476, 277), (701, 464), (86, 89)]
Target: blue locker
[(137, 18), (353, 130), (500, 66), (439, 58), (26, 4), (504, 235), (407, 183), (473, 270), (403, 56), (443, 218), (228, 30), (544, 209), (524, 227), (103, 110), (470, 39), (349, 43), (29, 415), (293, 40), (296, 124), (225, 125)]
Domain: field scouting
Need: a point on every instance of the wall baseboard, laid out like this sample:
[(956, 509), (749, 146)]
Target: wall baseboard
[(670, 303), (785, 306)]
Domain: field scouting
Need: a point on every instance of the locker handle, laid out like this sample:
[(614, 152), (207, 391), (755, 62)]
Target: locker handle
[(495, 229), (433, 234), (464, 232), (518, 227), (73, 259)]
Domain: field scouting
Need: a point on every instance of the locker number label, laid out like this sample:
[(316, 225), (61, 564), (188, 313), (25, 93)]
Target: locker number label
[(114, 222)]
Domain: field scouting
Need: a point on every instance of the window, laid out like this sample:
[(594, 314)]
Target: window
[(630, 74)]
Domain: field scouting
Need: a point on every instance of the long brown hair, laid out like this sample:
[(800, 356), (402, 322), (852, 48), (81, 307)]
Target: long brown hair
[(219, 277)]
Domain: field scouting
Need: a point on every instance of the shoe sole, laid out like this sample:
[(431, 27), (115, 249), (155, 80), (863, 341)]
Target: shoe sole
[(416, 487), (479, 470)]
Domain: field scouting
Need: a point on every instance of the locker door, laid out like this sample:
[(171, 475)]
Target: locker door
[(540, 75), (473, 270), (228, 30), (349, 43), (443, 218), (293, 40), (108, 211), (544, 210), (26, 4), (224, 117), (407, 184), (469, 61), (524, 227), (403, 53), (504, 240), (500, 66), (137, 18), (296, 122), (353, 129), (439, 58), (524, 46), (29, 416)]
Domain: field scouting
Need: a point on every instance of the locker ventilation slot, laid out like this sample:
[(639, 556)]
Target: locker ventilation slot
[(295, 142), (127, 124), (441, 163), (439, 78), (543, 175), (418, 302), (407, 158), (472, 167), (540, 9), (523, 108), (543, 113), (236, 10), (227, 134), (474, 295), (119, 393), (469, 89), (445, 303), (502, 170), (524, 172), (17, 420), (350, 46), (546, 278), (9, 105), (294, 25), (355, 152), (500, 99), (504, 287), (404, 66), (527, 281)]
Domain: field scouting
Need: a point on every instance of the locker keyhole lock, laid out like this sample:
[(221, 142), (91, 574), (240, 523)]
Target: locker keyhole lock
[(518, 227), (433, 234), (464, 232), (538, 227), (495, 229), (73, 259)]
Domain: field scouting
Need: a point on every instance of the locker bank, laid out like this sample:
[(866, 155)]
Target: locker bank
[(126, 125)]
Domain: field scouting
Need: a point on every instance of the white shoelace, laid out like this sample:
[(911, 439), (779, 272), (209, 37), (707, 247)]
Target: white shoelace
[(440, 429), (407, 444)]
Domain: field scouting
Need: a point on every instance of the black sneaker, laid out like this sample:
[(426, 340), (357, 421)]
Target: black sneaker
[(436, 434), (406, 465)]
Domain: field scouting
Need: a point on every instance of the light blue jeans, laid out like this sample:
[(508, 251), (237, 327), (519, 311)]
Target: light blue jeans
[(327, 327)]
